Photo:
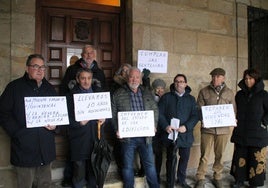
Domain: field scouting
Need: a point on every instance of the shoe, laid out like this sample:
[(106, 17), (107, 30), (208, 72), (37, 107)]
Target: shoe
[(217, 183), (200, 184), (183, 185), (139, 173), (66, 183), (238, 184)]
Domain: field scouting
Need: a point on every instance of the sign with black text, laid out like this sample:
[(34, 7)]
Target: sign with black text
[(89, 106), (155, 61), (43, 111), (136, 124), (218, 115)]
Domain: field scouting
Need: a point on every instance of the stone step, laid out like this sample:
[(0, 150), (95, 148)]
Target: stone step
[(112, 178)]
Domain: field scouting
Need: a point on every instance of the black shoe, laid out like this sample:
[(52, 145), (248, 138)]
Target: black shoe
[(139, 173), (182, 185), (238, 184), (66, 183)]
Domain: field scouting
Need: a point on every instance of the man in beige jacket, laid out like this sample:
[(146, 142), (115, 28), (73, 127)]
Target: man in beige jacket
[(215, 93)]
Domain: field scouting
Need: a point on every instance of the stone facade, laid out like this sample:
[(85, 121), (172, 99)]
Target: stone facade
[(199, 35)]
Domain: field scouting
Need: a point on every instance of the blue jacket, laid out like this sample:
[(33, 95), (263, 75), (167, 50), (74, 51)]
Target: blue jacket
[(183, 108), (30, 147)]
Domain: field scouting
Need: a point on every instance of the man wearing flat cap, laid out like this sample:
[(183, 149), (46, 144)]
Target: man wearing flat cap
[(216, 93)]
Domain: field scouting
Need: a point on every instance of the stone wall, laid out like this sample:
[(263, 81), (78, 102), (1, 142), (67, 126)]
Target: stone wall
[(17, 32), (198, 34)]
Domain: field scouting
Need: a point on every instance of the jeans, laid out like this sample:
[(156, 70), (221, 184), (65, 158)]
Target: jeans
[(146, 154)]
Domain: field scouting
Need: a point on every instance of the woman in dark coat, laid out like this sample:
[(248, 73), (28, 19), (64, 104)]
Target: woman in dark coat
[(250, 136), (82, 135)]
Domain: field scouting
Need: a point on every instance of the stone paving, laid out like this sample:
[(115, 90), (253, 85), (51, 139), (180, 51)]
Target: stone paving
[(114, 182)]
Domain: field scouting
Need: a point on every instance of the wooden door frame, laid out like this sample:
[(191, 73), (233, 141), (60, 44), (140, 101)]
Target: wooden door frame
[(82, 5)]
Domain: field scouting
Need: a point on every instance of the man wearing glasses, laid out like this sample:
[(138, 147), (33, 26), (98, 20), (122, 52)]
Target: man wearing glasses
[(32, 149), (179, 104)]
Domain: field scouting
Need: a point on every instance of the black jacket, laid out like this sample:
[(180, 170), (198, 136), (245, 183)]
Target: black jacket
[(70, 75), (81, 137), (30, 147), (183, 108), (252, 116)]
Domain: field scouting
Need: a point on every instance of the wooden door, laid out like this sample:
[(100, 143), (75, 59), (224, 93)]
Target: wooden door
[(64, 28)]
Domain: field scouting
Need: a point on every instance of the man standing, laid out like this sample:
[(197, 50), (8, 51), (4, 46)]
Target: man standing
[(32, 149), (133, 97), (181, 105), (88, 60), (215, 93), (68, 83)]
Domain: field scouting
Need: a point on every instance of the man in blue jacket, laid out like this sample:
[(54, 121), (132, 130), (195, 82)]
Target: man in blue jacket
[(32, 149), (178, 103)]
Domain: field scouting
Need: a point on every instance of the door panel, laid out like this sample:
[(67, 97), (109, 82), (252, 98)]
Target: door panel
[(74, 29), (65, 30)]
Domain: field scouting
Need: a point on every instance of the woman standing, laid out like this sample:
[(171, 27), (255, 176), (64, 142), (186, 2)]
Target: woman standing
[(250, 136)]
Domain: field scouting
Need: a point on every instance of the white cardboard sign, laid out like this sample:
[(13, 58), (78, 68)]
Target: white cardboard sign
[(43, 111), (89, 106), (155, 61), (218, 115), (136, 124)]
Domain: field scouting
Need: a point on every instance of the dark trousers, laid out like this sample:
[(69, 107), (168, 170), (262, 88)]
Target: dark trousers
[(83, 174), (249, 164), (158, 148), (184, 154)]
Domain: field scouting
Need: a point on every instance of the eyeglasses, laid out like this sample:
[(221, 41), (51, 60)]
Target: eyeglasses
[(37, 67), (179, 82)]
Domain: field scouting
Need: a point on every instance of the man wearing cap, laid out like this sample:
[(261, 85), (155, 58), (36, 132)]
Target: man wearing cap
[(216, 93)]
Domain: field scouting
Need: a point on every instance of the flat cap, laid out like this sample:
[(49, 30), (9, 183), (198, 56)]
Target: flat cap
[(217, 71)]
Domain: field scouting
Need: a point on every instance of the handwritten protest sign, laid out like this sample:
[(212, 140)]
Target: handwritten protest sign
[(155, 61), (42, 111), (89, 106), (218, 115), (136, 124)]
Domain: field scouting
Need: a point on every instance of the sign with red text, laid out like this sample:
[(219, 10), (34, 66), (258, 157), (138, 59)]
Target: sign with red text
[(136, 124), (218, 115), (89, 106), (43, 111), (155, 61)]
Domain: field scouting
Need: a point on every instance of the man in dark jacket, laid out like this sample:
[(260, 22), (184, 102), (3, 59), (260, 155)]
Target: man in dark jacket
[(82, 134), (69, 81), (32, 149), (181, 105), (87, 61), (133, 97)]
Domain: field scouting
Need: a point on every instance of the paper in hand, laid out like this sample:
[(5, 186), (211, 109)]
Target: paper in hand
[(175, 123)]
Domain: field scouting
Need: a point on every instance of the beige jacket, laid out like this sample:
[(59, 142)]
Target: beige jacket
[(209, 96)]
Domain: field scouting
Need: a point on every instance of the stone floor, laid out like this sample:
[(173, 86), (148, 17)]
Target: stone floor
[(112, 181)]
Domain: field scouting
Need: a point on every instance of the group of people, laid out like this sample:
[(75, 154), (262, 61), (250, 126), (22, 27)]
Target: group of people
[(33, 149)]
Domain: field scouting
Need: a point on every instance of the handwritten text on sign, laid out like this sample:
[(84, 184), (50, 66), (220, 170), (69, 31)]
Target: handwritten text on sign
[(42, 111), (136, 124), (218, 115), (155, 61), (89, 106)]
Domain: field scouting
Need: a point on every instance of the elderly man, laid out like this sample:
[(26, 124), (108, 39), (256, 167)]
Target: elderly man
[(133, 97), (32, 149), (215, 93), (88, 60), (68, 83)]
